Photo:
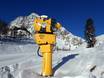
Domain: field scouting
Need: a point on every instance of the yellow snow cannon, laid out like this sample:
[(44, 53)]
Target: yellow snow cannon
[(44, 36)]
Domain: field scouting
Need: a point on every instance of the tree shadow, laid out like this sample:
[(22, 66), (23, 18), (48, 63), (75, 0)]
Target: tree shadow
[(64, 60)]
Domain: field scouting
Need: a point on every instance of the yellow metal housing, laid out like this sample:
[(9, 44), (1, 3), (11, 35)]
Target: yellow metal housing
[(46, 48), (45, 41), (58, 25), (38, 22), (46, 51), (47, 64), (41, 38)]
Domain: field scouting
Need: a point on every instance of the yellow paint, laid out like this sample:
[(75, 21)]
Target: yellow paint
[(38, 24), (46, 42), (58, 25), (45, 38), (47, 60), (48, 27)]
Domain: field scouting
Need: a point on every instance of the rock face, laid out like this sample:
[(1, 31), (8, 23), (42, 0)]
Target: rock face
[(23, 26), (67, 41)]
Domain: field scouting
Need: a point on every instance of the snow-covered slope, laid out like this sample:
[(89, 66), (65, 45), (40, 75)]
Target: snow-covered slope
[(14, 53), (83, 62), (24, 21), (100, 40), (67, 41), (22, 61)]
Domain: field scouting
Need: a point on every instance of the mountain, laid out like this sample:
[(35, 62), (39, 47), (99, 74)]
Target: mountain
[(65, 39), (25, 23)]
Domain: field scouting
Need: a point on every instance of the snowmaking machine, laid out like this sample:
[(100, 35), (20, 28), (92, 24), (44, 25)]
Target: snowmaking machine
[(45, 37)]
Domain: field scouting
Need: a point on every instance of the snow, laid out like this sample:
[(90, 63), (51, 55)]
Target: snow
[(23, 61), (67, 41), (24, 21)]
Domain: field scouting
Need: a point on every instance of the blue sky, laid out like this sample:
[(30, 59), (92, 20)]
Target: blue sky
[(72, 14)]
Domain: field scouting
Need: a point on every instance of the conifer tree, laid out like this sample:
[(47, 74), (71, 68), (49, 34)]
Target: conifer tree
[(90, 33)]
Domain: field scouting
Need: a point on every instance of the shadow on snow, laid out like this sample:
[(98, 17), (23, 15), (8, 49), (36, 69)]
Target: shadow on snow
[(64, 60)]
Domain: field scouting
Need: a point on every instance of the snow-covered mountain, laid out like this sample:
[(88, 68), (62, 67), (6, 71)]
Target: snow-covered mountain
[(65, 40), (24, 21)]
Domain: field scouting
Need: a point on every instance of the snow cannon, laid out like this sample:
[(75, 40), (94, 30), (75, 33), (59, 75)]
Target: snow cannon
[(45, 37)]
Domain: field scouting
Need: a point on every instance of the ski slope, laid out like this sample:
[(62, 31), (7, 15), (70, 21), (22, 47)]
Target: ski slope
[(79, 63)]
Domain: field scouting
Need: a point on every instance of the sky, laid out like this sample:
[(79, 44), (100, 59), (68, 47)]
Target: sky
[(72, 14)]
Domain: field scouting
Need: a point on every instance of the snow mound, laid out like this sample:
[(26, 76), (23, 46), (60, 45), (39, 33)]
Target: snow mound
[(100, 40)]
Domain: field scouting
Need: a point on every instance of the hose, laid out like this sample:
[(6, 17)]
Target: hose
[(39, 53)]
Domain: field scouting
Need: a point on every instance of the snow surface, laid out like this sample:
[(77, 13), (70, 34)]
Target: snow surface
[(19, 59)]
